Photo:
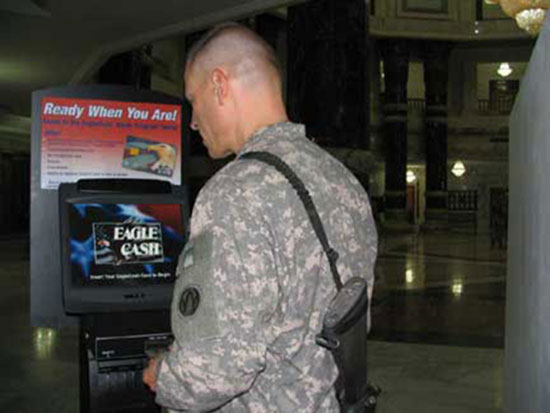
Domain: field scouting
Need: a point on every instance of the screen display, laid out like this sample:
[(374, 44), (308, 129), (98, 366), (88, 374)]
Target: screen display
[(124, 244)]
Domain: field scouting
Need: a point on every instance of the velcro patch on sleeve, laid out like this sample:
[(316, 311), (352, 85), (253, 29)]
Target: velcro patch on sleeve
[(194, 311)]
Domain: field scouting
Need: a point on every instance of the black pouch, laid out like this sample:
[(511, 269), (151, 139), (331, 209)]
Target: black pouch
[(344, 334)]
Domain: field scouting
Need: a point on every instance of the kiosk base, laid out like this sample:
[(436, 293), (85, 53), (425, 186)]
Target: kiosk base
[(113, 354)]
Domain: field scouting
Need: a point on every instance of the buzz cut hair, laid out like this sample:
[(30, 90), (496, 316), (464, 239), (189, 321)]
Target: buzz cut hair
[(209, 38)]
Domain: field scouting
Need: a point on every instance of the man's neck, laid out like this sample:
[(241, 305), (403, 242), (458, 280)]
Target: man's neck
[(253, 128)]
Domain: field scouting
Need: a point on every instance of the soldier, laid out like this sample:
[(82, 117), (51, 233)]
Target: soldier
[(253, 279)]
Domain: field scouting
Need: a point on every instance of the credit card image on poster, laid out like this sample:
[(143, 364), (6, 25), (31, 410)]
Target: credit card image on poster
[(150, 156)]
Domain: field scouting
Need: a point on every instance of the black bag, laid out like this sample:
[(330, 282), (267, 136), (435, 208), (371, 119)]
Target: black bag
[(344, 330)]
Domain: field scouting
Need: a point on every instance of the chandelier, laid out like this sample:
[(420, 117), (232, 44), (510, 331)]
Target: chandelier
[(529, 14)]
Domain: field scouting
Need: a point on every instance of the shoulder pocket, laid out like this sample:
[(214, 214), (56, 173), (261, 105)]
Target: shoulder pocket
[(194, 311)]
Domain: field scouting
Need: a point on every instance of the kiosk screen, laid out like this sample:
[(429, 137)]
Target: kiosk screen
[(124, 244)]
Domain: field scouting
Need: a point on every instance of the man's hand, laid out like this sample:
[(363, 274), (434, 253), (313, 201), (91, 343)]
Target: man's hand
[(150, 373)]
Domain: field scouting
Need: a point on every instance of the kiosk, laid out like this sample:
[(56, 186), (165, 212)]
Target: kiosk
[(109, 216), (120, 242)]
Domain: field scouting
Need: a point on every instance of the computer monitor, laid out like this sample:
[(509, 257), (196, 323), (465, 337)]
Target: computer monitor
[(120, 246)]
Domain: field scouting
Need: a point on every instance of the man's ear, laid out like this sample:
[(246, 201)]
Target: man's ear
[(221, 84)]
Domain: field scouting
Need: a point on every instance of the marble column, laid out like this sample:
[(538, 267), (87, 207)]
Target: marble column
[(436, 69), (327, 70), (395, 55)]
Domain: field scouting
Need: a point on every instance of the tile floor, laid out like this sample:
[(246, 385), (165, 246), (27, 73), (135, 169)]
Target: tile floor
[(436, 343)]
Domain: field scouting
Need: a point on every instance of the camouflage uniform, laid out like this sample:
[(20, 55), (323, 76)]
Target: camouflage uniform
[(264, 282)]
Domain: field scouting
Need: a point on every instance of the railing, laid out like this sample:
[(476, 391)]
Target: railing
[(413, 105), (462, 207), (495, 107), (485, 106), (416, 105), (462, 200)]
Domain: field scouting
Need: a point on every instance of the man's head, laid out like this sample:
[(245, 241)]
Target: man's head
[(233, 82)]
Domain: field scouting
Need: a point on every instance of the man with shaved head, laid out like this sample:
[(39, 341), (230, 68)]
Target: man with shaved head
[(253, 280), (240, 71)]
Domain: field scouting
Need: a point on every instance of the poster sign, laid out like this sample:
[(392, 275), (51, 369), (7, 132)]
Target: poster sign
[(94, 139)]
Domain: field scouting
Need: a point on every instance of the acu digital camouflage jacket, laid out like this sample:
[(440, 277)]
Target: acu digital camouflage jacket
[(260, 281)]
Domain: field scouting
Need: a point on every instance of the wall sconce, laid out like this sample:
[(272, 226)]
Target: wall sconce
[(409, 276), (457, 288), (529, 14), (411, 177), (458, 169), (504, 69)]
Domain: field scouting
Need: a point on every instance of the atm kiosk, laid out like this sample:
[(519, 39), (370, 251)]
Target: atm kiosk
[(120, 242)]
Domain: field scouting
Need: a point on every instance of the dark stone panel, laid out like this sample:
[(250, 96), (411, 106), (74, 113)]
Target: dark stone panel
[(327, 79), (436, 202), (5, 203), (436, 62), (395, 54), (436, 72), (395, 143), (395, 201), (21, 192), (127, 68), (436, 156), (14, 193), (273, 30)]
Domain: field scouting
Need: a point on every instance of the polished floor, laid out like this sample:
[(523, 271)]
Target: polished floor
[(436, 344), (440, 288)]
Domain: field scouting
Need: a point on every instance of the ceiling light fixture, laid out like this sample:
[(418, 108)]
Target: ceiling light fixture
[(504, 69), (458, 169)]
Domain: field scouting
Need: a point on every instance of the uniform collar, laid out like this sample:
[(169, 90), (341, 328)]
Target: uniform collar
[(286, 129)]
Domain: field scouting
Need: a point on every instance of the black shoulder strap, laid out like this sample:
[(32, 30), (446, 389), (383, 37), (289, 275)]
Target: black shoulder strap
[(303, 193)]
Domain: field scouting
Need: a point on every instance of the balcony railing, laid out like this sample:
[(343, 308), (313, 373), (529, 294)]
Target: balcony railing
[(462, 207), (416, 105), (462, 200), (495, 107), (484, 106)]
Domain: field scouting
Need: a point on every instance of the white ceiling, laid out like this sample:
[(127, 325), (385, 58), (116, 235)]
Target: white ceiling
[(45, 43)]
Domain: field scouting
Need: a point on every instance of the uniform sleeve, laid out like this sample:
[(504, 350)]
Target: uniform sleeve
[(220, 350)]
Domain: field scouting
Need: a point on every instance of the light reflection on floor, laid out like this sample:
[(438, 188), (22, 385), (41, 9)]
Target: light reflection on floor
[(439, 288), (431, 289), (44, 342)]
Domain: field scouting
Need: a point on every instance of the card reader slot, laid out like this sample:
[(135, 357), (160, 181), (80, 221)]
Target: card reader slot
[(119, 365)]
